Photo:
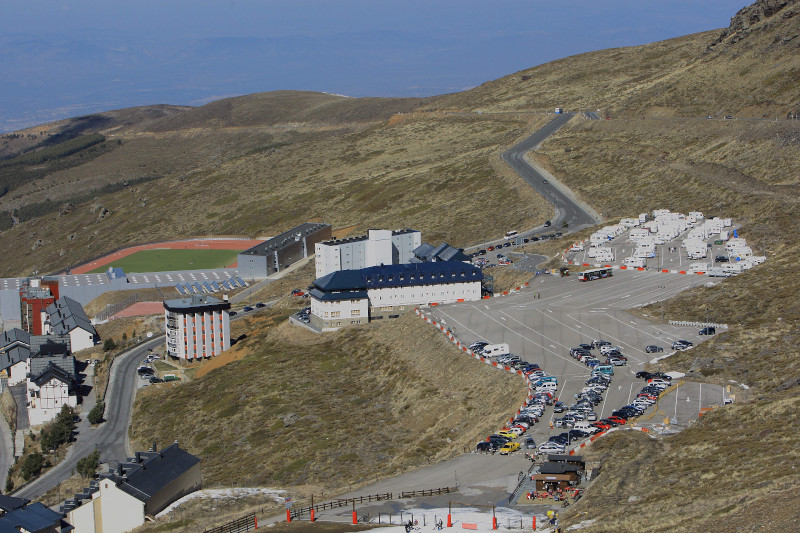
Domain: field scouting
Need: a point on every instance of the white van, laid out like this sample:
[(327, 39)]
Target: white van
[(635, 262), (550, 386), (585, 426), (493, 350)]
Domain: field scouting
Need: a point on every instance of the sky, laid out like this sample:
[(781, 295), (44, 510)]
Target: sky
[(71, 57)]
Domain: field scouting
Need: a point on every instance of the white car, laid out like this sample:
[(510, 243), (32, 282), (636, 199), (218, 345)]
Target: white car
[(518, 431), (551, 447), (608, 348)]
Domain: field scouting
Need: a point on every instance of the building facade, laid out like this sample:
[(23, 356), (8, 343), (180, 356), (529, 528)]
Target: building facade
[(52, 383), (197, 327), (141, 487), (34, 297), (377, 247), (352, 297), (280, 252), (66, 316)]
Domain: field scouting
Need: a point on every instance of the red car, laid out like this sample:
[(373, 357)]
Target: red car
[(618, 420), (602, 425)]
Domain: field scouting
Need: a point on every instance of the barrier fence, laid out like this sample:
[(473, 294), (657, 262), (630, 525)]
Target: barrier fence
[(112, 310), (347, 502), (240, 525)]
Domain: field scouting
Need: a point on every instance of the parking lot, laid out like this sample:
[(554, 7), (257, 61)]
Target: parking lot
[(555, 314)]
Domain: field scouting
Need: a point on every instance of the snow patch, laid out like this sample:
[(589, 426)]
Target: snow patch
[(225, 494)]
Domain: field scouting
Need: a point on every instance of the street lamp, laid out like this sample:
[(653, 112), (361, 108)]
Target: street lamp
[(662, 287)]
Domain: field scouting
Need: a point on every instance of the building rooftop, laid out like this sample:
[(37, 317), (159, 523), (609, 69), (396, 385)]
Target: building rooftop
[(146, 474), (444, 252), (32, 517), (66, 314), (66, 363), (558, 468), (284, 239), (365, 237), (402, 275), (196, 302)]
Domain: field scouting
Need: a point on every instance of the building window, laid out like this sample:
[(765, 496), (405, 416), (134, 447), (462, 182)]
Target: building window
[(336, 314), (355, 312)]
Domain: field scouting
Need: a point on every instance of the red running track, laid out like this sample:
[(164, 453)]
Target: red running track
[(227, 244)]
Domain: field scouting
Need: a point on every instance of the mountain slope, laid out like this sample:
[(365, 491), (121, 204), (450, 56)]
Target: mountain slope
[(748, 71)]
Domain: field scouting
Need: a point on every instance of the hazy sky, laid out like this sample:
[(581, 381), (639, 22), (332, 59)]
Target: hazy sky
[(68, 58)]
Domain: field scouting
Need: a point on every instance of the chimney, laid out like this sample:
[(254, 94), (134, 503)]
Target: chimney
[(224, 297)]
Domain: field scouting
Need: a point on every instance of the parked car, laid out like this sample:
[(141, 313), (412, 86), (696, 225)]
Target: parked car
[(530, 444), (551, 447), (559, 407), (709, 330), (681, 345), (259, 305), (652, 348), (509, 447), (547, 224), (247, 309), (155, 379), (486, 447)]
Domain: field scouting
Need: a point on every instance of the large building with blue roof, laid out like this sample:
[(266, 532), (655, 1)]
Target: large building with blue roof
[(352, 297)]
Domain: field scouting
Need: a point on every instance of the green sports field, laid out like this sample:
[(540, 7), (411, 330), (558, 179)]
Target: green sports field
[(164, 260)]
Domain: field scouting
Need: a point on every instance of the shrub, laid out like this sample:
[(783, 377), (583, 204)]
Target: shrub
[(109, 345), (32, 465), (96, 414)]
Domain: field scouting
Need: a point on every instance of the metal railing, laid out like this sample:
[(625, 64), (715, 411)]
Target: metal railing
[(346, 502), (240, 525)]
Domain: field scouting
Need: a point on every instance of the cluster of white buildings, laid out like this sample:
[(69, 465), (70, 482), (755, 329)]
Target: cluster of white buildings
[(39, 357), (383, 273)]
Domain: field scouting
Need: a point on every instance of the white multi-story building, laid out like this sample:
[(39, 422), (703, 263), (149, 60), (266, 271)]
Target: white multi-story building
[(51, 384), (197, 327), (378, 247), (351, 297)]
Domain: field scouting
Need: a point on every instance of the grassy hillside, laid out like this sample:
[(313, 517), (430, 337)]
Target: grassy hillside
[(421, 170), (302, 409)]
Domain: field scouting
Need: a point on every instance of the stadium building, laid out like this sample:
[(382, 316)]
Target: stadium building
[(282, 251)]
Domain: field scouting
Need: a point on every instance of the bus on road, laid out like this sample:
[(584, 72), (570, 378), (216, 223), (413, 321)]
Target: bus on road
[(595, 273)]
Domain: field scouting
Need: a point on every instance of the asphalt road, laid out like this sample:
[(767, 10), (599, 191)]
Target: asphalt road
[(566, 209), (6, 445), (110, 437), (541, 325)]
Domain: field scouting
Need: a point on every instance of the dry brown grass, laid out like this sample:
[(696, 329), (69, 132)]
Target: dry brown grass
[(292, 412)]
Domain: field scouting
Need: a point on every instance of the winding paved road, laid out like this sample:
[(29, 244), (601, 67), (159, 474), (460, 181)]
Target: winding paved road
[(110, 437), (566, 209)]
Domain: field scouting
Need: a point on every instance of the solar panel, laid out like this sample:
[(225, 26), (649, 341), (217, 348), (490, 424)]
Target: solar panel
[(198, 287), (181, 289), (207, 286), (226, 284), (241, 282), (215, 286)]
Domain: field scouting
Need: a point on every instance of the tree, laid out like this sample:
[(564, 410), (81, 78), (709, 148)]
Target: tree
[(109, 345), (96, 414), (32, 465), (9, 482), (59, 431), (124, 337), (87, 466)]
